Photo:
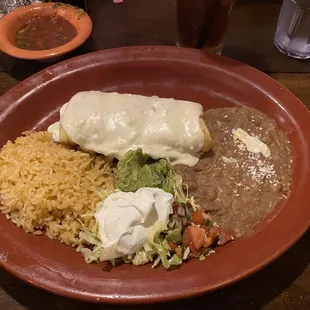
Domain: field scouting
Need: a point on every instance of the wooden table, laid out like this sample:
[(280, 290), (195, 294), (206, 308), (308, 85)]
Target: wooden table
[(285, 284)]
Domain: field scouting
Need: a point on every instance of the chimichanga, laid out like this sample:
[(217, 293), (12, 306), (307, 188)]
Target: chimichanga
[(113, 123)]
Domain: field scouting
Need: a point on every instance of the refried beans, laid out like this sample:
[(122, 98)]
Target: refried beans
[(239, 188)]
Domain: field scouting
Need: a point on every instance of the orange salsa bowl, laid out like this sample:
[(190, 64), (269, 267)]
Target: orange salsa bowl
[(73, 19)]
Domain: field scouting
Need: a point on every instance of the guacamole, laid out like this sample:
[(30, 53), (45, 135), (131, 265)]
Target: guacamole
[(136, 170)]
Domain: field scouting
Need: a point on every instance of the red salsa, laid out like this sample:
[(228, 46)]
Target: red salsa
[(44, 32)]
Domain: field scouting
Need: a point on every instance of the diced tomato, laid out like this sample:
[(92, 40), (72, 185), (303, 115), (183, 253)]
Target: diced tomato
[(208, 242), (213, 233), (193, 250), (197, 217), (178, 252), (172, 245), (198, 238), (195, 236)]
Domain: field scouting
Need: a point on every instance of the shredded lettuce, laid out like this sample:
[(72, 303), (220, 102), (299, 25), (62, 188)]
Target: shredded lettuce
[(156, 262), (202, 257), (90, 238), (165, 245), (175, 222), (141, 258), (94, 241), (175, 236), (186, 253), (179, 194), (128, 259), (158, 244), (154, 240), (175, 260), (92, 255)]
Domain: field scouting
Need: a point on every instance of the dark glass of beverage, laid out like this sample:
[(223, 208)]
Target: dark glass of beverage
[(203, 23)]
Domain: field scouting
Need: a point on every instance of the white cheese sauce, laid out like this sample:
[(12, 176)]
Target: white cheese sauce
[(113, 123)]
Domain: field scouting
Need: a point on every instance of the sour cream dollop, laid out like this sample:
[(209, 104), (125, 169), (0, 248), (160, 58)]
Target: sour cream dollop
[(252, 143), (124, 218)]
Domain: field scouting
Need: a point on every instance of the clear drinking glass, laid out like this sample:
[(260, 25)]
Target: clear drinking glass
[(292, 36)]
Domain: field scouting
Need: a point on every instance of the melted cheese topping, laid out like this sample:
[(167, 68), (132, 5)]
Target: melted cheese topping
[(112, 123)]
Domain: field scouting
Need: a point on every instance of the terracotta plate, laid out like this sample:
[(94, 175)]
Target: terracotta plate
[(214, 81)]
